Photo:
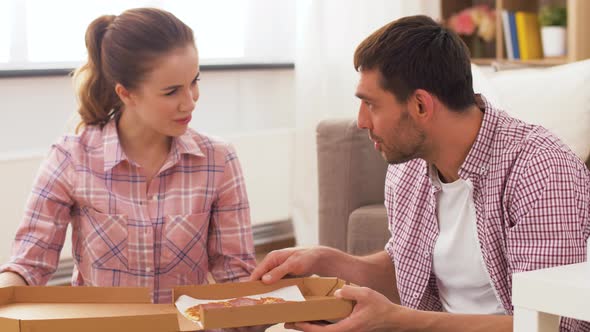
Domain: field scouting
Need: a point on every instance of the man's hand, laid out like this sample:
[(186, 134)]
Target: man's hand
[(292, 261), (372, 312)]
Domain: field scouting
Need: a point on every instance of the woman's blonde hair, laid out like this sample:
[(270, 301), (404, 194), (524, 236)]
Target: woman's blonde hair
[(122, 49)]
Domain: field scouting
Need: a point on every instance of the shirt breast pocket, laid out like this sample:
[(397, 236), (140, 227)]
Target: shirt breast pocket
[(104, 241), (184, 244)]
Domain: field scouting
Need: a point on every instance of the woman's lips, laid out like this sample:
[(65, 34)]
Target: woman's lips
[(184, 120)]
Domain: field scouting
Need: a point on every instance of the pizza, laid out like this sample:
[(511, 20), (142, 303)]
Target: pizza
[(194, 312)]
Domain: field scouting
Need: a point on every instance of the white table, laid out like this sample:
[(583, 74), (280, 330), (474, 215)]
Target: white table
[(540, 297)]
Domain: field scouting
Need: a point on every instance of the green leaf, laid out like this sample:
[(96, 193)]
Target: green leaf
[(551, 15)]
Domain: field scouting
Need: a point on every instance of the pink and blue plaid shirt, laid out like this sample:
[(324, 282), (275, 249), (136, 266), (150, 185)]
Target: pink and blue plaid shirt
[(532, 201), (194, 217)]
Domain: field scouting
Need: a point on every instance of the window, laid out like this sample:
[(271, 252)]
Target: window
[(40, 34), (5, 30)]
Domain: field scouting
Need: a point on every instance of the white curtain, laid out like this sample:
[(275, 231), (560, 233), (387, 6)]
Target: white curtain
[(327, 33)]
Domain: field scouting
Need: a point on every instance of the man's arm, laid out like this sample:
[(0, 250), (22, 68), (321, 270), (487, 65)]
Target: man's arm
[(374, 312), (445, 322), (549, 210)]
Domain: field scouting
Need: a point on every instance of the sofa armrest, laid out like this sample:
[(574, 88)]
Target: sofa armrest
[(367, 230), (351, 174)]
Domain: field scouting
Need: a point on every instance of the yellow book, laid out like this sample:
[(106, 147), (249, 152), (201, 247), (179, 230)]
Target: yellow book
[(529, 35)]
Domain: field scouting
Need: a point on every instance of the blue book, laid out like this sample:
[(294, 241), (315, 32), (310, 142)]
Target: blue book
[(507, 35), (514, 35)]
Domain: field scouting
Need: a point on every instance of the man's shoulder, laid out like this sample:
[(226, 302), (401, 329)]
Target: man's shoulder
[(521, 146), (524, 140)]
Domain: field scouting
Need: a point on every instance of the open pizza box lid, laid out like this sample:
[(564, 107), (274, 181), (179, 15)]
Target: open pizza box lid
[(89, 309), (320, 303)]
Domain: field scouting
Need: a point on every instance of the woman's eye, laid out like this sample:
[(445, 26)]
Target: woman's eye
[(170, 93)]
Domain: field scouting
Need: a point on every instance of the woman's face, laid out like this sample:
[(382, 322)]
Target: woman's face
[(164, 101)]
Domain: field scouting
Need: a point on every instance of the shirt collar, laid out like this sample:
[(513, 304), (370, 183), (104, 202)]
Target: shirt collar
[(476, 162), (114, 154), (112, 150), (478, 157), (183, 144)]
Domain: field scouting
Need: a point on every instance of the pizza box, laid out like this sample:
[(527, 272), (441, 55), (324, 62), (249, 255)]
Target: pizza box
[(320, 303), (89, 309)]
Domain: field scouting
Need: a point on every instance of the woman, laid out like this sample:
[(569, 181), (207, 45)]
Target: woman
[(152, 203)]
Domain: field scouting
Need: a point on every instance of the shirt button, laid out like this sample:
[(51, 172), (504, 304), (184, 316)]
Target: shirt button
[(483, 169), (149, 269), (426, 253), (415, 295), (155, 198)]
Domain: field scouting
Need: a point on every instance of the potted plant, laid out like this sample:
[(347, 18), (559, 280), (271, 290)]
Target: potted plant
[(553, 22)]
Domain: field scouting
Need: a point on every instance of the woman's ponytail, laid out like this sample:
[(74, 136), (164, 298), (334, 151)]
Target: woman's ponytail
[(96, 93)]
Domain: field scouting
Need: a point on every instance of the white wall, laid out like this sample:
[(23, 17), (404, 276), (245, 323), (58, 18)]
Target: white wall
[(252, 109)]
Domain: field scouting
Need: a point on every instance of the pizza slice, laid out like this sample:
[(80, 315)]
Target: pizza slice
[(194, 312)]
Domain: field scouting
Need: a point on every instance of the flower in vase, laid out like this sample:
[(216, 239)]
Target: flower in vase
[(479, 20)]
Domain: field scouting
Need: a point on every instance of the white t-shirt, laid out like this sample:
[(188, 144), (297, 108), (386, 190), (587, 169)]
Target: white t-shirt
[(463, 282)]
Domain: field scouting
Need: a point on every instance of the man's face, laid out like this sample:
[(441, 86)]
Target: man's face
[(390, 123)]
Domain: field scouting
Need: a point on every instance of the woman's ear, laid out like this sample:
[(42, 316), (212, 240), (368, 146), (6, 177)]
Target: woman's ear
[(124, 94)]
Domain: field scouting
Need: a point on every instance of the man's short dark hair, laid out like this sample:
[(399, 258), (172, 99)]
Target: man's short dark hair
[(415, 52)]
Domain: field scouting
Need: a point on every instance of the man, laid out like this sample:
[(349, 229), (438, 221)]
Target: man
[(472, 195)]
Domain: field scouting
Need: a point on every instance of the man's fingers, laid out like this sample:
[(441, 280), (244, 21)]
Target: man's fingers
[(273, 267), (268, 263), (277, 273), (259, 271), (351, 292)]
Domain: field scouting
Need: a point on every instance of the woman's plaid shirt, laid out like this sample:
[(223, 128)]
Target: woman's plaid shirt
[(193, 218)]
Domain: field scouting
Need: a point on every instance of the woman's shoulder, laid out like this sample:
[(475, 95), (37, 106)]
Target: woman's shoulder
[(209, 143), (85, 141)]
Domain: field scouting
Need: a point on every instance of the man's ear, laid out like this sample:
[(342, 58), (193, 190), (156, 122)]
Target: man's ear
[(423, 103), (124, 94)]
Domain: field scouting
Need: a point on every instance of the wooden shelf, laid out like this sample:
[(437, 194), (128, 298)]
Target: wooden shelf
[(483, 61), (578, 28), (539, 62)]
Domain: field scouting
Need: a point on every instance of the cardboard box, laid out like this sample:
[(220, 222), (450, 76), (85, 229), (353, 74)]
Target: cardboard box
[(123, 309), (320, 303), (89, 309)]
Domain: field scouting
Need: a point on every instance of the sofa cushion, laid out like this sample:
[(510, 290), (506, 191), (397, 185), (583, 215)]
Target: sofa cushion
[(557, 98), (367, 230)]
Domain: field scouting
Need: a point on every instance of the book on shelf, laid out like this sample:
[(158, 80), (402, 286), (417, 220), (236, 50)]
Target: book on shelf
[(528, 35), (507, 38), (510, 35)]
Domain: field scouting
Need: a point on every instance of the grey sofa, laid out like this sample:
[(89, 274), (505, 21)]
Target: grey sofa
[(351, 177)]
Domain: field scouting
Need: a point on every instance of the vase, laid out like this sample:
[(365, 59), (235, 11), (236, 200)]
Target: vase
[(553, 39)]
